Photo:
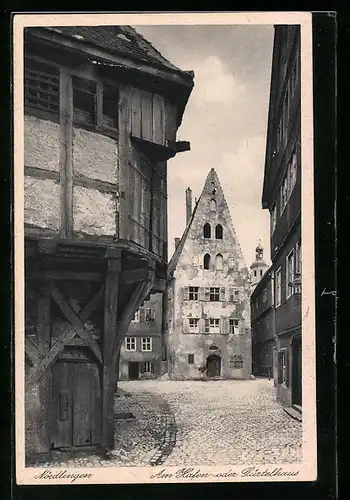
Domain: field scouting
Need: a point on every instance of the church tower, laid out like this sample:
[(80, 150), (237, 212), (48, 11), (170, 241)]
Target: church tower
[(259, 266)]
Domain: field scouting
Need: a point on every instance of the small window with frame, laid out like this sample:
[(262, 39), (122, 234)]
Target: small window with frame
[(84, 101)]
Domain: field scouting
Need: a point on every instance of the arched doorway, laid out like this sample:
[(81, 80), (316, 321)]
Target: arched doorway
[(213, 365)]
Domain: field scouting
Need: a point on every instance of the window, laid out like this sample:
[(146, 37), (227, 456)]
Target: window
[(234, 295), (147, 367), (41, 87), (290, 274), (278, 287), (273, 218), (193, 325), (233, 326), (130, 344), (193, 292), (255, 273), (136, 318), (219, 262), (214, 294), (207, 230), (212, 205), (218, 232), (236, 361), (150, 314), (289, 181), (144, 314), (293, 170), (146, 344), (214, 325), (261, 273), (84, 101), (110, 107), (283, 367), (297, 274), (190, 359), (95, 104), (206, 261), (206, 326)]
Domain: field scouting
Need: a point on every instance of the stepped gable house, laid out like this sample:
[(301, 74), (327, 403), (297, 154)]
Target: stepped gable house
[(102, 108), (209, 291), (282, 197)]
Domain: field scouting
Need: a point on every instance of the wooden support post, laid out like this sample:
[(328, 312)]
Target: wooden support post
[(44, 385), (141, 291), (109, 334)]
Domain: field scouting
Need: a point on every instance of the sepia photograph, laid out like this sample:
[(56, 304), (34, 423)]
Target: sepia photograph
[(164, 253)]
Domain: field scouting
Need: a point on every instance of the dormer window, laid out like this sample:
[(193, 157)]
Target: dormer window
[(207, 231)]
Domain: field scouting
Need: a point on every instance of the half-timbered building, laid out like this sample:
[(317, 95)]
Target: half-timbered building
[(101, 111)]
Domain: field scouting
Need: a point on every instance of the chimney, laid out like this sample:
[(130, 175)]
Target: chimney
[(188, 204), (177, 241)]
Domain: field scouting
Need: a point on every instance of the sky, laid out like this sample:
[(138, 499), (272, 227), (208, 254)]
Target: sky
[(225, 121)]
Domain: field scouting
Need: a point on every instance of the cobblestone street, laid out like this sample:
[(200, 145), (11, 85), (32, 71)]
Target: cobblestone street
[(203, 423), (226, 422)]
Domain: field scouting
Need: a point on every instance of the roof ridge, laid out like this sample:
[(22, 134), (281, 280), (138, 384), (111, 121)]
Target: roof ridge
[(145, 41)]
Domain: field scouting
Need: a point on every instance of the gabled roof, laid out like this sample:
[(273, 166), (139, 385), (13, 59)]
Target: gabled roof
[(121, 39), (211, 177), (178, 250)]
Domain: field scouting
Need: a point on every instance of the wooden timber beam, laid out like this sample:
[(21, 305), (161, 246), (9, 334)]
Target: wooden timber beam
[(133, 276), (108, 339), (181, 78), (42, 274), (140, 293)]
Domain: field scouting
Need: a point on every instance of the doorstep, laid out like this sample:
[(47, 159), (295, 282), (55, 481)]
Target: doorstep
[(292, 412)]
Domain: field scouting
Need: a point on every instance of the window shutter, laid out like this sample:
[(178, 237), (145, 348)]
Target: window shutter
[(222, 293), (201, 325), (280, 367), (222, 326), (186, 325), (186, 293), (201, 293), (152, 314), (142, 314), (287, 368), (241, 328), (226, 326), (207, 293), (231, 297)]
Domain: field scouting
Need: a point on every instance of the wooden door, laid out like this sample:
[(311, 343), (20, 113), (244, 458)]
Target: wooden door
[(213, 366), (76, 409), (296, 372), (133, 370)]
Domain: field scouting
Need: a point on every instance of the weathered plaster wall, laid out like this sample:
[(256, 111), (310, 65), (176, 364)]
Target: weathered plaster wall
[(94, 212), (42, 203), (41, 143), (190, 272), (95, 156)]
